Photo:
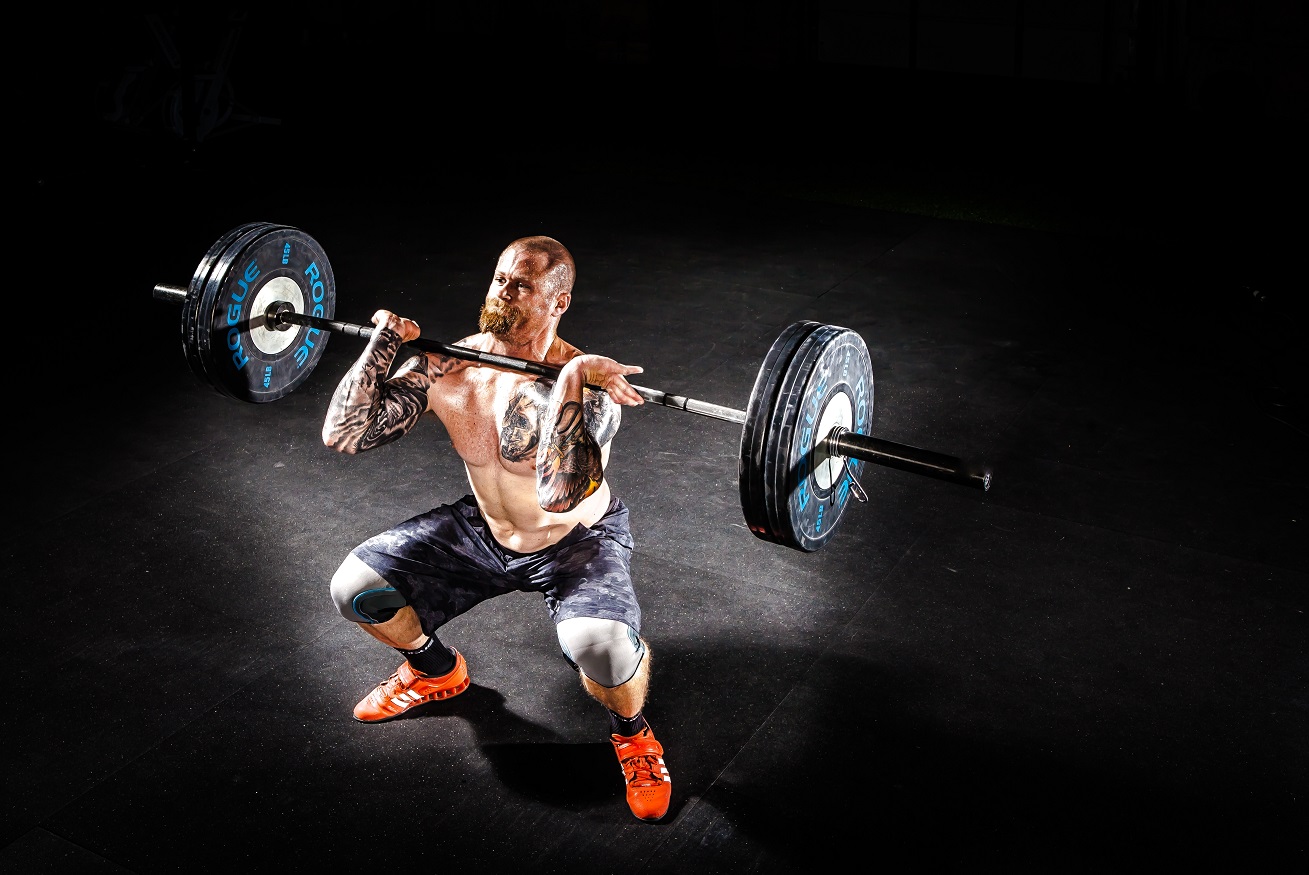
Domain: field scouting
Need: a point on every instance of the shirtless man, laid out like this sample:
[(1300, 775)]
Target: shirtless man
[(541, 517)]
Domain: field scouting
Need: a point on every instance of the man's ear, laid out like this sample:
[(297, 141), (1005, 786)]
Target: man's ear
[(562, 300)]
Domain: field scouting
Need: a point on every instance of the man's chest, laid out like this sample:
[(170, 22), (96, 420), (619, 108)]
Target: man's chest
[(496, 419)]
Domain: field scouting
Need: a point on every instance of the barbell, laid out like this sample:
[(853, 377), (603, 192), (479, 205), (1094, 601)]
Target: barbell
[(803, 433)]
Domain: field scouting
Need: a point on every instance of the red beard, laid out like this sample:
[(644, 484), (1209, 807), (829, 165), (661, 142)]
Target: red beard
[(498, 318)]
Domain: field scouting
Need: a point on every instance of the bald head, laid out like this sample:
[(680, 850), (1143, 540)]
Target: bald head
[(558, 269)]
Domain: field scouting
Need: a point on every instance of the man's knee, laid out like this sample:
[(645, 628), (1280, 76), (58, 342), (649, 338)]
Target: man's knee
[(608, 652), (362, 595)]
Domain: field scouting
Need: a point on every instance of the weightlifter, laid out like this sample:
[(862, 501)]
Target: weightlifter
[(540, 517)]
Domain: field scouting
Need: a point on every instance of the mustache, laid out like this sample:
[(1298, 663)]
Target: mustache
[(498, 317)]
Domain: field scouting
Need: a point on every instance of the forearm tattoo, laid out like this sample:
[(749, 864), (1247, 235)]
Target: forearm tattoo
[(368, 409), (602, 415), (569, 465), (392, 415)]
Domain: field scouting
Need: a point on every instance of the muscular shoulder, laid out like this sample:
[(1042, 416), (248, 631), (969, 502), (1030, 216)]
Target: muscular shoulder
[(562, 351)]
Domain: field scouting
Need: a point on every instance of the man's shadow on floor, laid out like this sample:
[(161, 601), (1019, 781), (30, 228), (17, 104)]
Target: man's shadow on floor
[(528, 758)]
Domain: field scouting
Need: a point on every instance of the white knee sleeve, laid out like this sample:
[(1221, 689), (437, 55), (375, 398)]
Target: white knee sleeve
[(362, 595), (607, 651)]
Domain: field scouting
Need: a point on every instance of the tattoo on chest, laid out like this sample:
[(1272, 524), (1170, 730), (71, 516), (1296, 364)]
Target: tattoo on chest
[(519, 427)]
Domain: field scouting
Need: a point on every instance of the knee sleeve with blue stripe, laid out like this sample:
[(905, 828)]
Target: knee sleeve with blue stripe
[(362, 595)]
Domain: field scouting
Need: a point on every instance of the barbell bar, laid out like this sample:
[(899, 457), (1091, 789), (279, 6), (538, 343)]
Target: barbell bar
[(841, 442), (803, 432)]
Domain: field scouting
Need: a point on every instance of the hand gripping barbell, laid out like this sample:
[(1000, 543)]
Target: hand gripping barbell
[(803, 436)]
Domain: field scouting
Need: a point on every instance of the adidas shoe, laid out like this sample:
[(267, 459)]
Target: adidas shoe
[(649, 788), (407, 688)]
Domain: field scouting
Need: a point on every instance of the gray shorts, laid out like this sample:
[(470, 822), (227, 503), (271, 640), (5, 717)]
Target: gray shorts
[(445, 561)]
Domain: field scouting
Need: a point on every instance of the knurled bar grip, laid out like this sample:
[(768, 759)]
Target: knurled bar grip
[(841, 442)]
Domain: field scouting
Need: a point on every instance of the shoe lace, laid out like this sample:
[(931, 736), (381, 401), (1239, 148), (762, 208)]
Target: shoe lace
[(642, 769), (393, 684)]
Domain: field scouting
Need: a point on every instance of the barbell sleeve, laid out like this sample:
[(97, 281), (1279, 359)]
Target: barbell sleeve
[(843, 442), (170, 293)]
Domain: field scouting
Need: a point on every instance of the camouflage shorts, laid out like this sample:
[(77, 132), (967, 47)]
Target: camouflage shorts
[(445, 562)]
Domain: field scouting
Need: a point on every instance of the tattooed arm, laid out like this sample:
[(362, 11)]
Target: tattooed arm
[(368, 409), (576, 427)]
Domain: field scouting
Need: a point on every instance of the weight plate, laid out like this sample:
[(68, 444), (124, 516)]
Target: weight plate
[(829, 383), (776, 454), (820, 494), (202, 310), (195, 290), (242, 357), (758, 413)]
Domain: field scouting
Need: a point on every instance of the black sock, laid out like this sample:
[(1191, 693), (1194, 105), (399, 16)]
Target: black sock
[(619, 725), (432, 659)]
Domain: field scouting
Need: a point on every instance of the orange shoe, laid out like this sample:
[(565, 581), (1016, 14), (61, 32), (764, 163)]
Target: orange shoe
[(406, 688), (649, 788)]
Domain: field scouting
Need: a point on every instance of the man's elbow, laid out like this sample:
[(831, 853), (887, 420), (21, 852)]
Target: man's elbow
[(554, 500), (333, 441), (555, 504)]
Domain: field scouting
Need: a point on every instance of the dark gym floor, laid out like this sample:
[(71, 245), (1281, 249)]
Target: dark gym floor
[(1099, 665)]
